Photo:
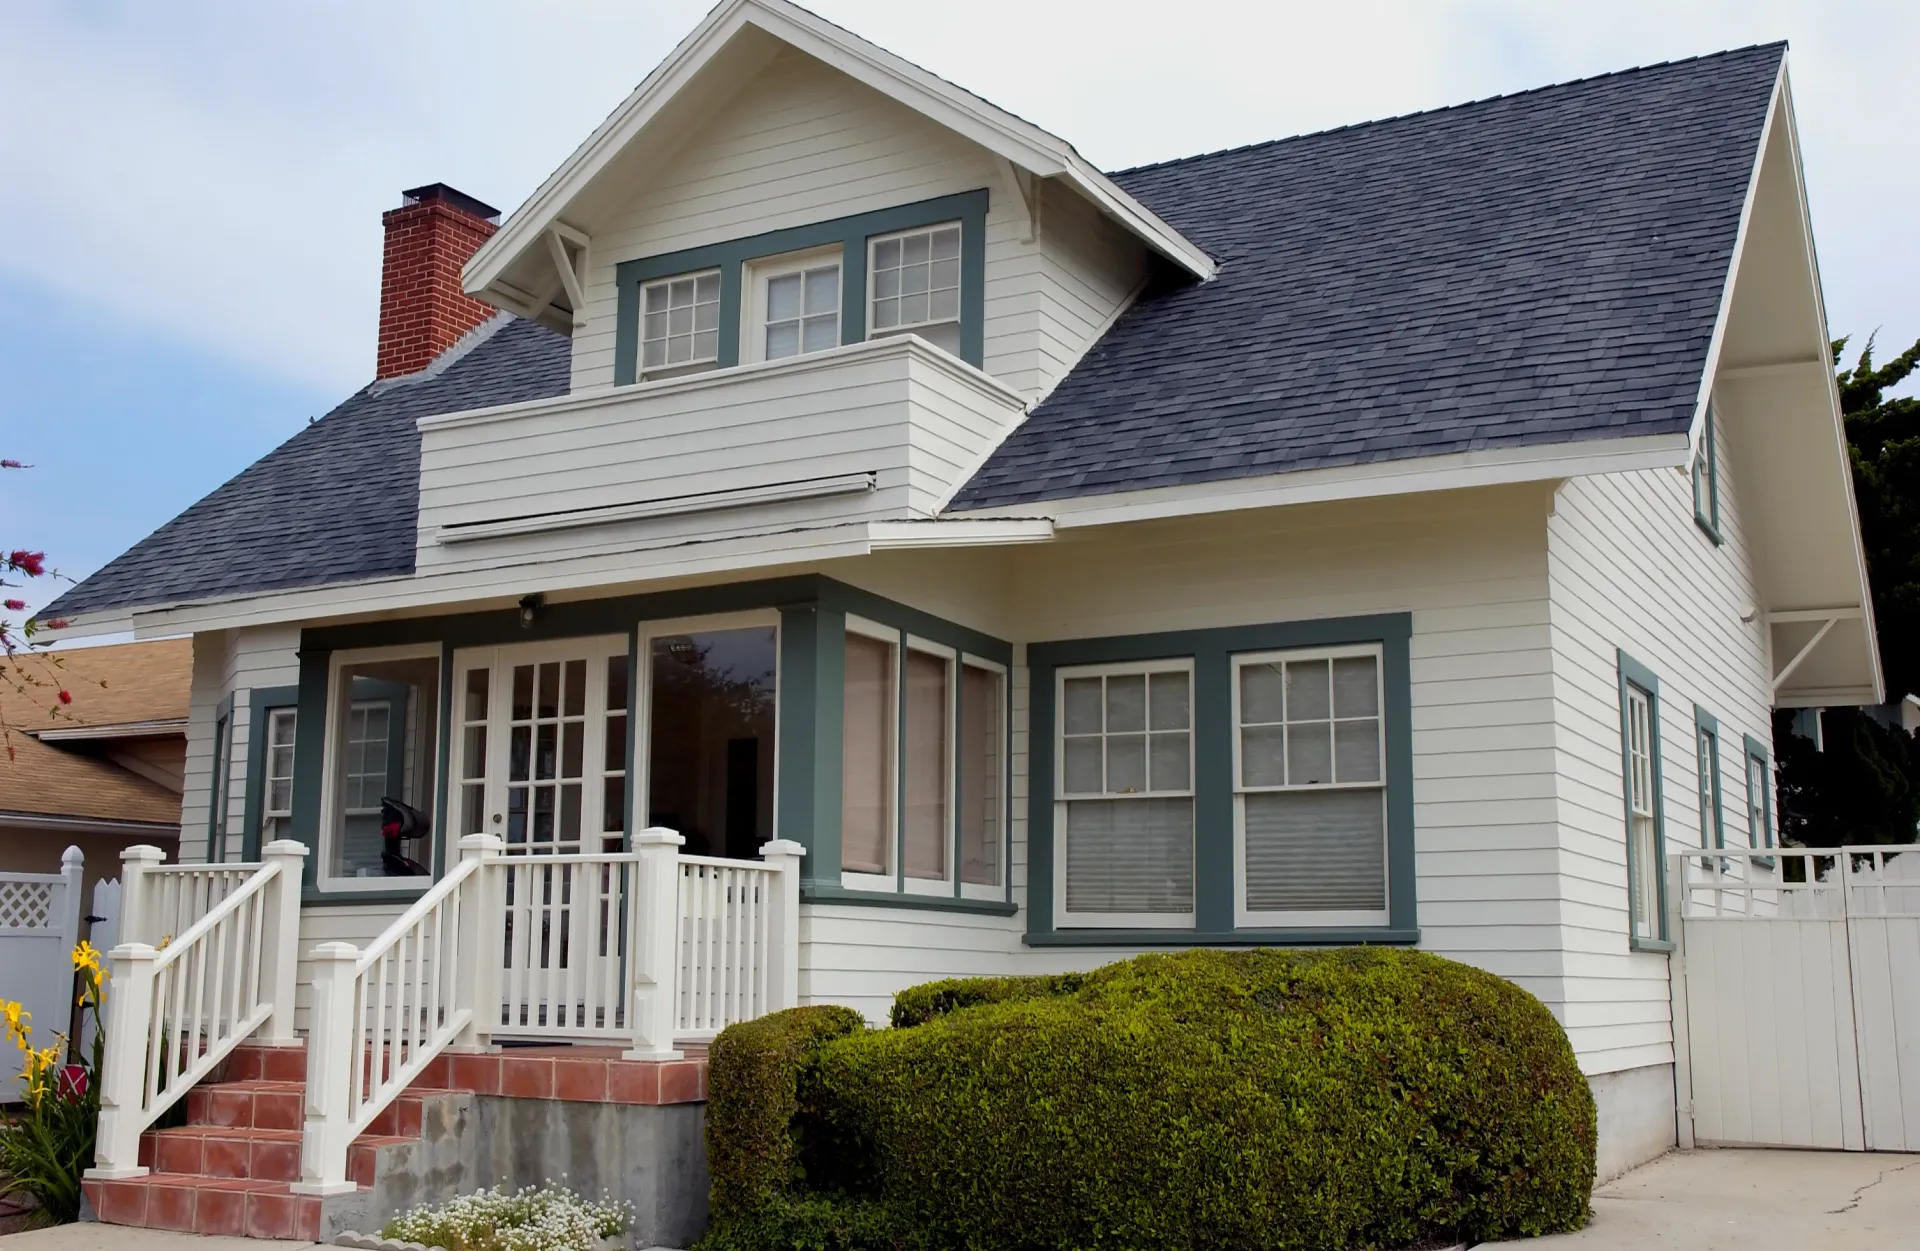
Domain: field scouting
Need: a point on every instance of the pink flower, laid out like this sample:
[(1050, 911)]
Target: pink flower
[(65, 698), (11, 464), (55, 623), (16, 605), (33, 564)]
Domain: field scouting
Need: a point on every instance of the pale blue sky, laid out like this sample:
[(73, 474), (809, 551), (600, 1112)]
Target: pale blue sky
[(190, 193)]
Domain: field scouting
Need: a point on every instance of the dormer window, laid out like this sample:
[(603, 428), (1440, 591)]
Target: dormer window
[(795, 307), (914, 279), (680, 325)]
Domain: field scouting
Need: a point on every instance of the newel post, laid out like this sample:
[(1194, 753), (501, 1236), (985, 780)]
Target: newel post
[(280, 936), (328, 1129), (783, 923), (123, 1067), (134, 910), (483, 919), (653, 1003)]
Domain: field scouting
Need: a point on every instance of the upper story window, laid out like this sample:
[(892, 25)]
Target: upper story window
[(680, 325), (913, 282), (1706, 481), (796, 304)]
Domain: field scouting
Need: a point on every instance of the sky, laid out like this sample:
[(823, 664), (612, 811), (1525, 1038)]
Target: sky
[(190, 193)]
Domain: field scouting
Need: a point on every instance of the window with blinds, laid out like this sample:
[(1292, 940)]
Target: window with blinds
[(867, 771), (1310, 789), (982, 777), (1643, 886), (1125, 788)]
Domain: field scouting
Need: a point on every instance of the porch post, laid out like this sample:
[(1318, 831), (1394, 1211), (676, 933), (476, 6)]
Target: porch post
[(482, 929), (123, 1076), (653, 997), (280, 937), (134, 863), (783, 923), (331, 1060)]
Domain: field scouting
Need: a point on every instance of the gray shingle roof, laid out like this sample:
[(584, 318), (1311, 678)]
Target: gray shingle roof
[(337, 502), (1536, 268)]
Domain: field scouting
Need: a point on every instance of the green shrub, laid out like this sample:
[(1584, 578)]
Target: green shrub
[(917, 1005), (1354, 1098), (753, 1078)]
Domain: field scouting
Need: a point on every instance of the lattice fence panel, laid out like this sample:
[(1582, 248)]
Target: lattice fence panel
[(26, 905)]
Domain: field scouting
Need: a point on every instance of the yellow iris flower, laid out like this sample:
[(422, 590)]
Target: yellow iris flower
[(87, 956)]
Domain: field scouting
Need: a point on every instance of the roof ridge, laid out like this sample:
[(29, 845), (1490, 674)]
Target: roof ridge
[(1448, 108)]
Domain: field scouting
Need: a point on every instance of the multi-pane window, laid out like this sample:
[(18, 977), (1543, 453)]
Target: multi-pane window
[(913, 283), (1310, 787), (382, 742), (1759, 804), (276, 809), (1706, 481), (365, 779), (1707, 747), (1643, 860), (680, 325), (800, 308), (1125, 788)]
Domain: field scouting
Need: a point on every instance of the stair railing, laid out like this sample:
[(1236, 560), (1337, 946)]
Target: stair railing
[(178, 1011)]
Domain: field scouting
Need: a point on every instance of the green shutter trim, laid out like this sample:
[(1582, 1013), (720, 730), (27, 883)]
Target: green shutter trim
[(634, 815), (813, 650), (969, 208), (1633, 673), (262, 702), (220, 783), (1215, 887), (1710, 724)]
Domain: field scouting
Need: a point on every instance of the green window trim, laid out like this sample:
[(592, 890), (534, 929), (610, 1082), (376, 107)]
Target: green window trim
[(1756, 753), (1215, 887), (813, 611), (1634, 674), (220, 782), (969, 208), (1707, 726), (1705, 474), (262, 702)]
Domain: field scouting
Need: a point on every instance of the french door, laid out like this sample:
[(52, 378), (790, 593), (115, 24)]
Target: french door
[(540, 760)]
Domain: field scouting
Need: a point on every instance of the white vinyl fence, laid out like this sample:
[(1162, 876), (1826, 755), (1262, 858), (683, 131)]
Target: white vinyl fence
[(39, 925), (1796, 989)]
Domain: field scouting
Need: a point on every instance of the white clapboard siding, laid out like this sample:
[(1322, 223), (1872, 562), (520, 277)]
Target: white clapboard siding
[(803, 143), (1630, 569), (227, 663), (911, 416)]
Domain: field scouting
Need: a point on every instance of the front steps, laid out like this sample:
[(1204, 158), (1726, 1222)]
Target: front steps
[(230, 1168)]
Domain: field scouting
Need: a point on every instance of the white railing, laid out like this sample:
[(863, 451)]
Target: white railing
[(382, 1014), (1795, 883), (574, 947), (727, 913), (162, 901), (180, 1010)]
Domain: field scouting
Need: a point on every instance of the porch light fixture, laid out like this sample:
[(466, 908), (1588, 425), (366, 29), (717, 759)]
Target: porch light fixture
[(530, 606)]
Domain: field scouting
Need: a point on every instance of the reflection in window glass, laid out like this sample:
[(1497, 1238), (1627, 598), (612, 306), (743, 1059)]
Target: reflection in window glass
[(385, 742), (867, 777), (711, 737)]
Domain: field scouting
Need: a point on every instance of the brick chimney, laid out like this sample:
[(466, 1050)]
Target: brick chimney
[(423, 311)]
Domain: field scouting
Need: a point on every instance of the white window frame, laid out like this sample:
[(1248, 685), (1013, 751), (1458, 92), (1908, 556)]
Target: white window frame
[(1759, 778), (1706, 753), (753, 305), (889, 883), (1247, 918), (268, 813), (873, 246), (694, 364), (1642, 805), (998, 889), (332, 741), (1063, 919)]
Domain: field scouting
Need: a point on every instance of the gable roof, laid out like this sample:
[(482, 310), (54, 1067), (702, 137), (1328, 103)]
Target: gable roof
[(525, 234), (1538, 268)]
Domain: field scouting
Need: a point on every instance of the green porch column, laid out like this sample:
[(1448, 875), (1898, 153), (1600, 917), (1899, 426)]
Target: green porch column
[(813, 655)]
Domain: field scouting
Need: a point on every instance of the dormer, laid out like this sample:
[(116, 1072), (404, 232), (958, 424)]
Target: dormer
[(779, 186)]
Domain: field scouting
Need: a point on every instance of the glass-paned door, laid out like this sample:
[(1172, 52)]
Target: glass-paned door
[(541, 756)]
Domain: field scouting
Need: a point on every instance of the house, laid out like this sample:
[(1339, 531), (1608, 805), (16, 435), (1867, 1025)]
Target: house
[(106, 775), (1400, 534)]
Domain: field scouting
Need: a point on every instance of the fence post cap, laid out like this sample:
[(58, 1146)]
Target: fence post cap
[(782, 847), (72, 856), (134, 951), (482, 842), (285, 847), (335, 952), (146, 853), (658, 836)]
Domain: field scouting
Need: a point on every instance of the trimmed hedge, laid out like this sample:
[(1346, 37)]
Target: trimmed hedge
[(1355, 1098)]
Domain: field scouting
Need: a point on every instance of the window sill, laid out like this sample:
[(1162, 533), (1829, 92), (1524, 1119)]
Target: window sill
[(827, 893), (313, 896), (1709, 529), (1226, 938), (1659, 946)]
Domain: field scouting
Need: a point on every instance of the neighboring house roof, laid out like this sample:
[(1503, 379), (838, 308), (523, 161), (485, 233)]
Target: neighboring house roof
[(1541, 268), (145, 685), (1538, 268)]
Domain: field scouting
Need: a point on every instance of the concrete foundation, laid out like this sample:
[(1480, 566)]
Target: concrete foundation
[(1637, 1117)]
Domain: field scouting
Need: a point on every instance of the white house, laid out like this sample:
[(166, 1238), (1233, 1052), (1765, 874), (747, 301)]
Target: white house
[(1399, 534)]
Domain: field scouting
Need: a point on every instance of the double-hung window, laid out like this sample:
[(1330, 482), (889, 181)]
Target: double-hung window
[(1125, 820), (1640, 769), (913, 285), (795, 306), (680, 325), (1706, 737), (1706, 481), (1310, 840), (1759, 796), (276, 813)]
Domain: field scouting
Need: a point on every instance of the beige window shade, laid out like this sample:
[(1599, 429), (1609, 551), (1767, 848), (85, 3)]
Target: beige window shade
[(927, 718), (867, 773), (981, 799)]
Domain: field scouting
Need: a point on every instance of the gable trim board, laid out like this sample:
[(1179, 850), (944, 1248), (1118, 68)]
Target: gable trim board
[(999, 132), (852, 233)]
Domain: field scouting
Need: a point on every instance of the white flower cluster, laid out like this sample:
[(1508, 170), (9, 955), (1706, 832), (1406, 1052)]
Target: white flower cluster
[(534, 1218)]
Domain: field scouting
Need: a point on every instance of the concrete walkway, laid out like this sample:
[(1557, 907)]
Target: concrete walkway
[(89, 1236), (1755, 1201)]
